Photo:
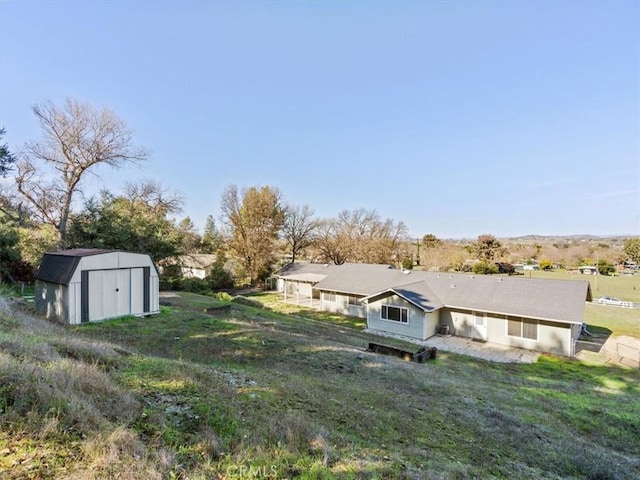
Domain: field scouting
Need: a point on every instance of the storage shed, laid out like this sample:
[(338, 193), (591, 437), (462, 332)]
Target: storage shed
[(88, 285)]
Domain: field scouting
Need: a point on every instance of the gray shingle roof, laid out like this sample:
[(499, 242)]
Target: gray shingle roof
[(559, 300)]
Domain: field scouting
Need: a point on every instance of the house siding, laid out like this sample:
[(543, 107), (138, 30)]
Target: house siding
[(414, 328), (553, 337)]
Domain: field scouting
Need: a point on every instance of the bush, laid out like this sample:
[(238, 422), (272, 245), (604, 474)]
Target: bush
[(483, 268), (224, 297), (546, 264), (218, 279), (407, 263), (605, 268), (504, 267), (250, 302)]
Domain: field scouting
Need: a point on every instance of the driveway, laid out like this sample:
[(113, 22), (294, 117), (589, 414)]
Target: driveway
[(616, 350), (471, 348)]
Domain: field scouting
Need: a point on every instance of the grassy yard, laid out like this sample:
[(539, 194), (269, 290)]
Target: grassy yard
[(624, 287), (260, 393)]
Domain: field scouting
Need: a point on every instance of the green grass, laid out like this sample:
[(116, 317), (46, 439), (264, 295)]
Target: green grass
[(624, 287), (616, 320), (259, 393)]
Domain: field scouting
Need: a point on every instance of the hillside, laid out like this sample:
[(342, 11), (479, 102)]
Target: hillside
[(260, 394)]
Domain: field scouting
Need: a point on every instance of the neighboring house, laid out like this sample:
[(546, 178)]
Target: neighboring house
[(86, 285), (588, 270), (197, 265), (536, 314)]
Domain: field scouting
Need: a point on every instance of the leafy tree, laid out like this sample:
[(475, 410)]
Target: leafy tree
[(430, 241), (254, 219), (124, 224), (6, 157), (632, 249), (488, 248), (298, 228), (407, 263), (77, 139), (191, 240), (212, 241), (605, 267), (9, 248)]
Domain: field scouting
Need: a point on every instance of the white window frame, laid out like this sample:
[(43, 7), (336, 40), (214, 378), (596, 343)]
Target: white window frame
[(354, 301), (326, 297), (401, 321), (521, 320)]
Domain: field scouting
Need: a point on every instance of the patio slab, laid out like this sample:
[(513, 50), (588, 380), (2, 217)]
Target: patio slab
[(466, 346)]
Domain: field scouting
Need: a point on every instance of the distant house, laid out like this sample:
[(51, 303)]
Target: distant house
[(588, 270), (197, 265), (86, 285), (536, 314)]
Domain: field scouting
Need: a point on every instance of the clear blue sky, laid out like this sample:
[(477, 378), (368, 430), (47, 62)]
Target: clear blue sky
[(458, 118)]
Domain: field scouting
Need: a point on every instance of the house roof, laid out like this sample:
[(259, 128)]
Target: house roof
[(196, 260), (545, 299), (58, 267), (361, 278)]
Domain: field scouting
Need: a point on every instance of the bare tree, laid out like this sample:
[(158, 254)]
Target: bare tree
[(76, 139), (154, 195), (360, 236), (329, 243), (298, 228), (254, 219)]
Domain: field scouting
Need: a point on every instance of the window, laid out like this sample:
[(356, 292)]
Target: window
[(355, 301), (397, 314), (329, 297), (522, 328)]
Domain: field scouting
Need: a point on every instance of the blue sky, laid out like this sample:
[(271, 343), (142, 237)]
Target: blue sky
[(457, 118)]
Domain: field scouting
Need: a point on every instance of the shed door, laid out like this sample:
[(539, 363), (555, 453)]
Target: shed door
[(109, 293)]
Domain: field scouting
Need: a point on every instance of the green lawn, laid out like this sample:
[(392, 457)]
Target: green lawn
[(624, 287), (187, 395)]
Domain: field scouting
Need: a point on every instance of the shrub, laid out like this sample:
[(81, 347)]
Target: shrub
[(546, 264), (484, 268), (407, 263), (224, 297), (250, 302), (218, 279)]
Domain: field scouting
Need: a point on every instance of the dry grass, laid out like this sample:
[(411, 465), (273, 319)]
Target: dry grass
[(261, 394)]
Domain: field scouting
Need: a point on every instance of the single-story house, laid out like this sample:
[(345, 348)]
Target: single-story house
[(588, 270), (197, 265), (87, 285), (537, 314)]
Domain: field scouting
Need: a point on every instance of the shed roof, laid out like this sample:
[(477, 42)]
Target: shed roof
[(59, 267)]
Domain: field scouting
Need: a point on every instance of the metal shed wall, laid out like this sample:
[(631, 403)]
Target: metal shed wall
[(103, 285)]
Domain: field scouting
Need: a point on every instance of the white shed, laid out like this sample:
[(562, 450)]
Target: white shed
[(88, 285)]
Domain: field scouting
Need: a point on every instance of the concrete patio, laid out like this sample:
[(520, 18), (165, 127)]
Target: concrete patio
[(466, 346)]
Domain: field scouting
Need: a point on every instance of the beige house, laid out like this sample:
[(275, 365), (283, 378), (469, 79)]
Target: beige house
[(536, 314)]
